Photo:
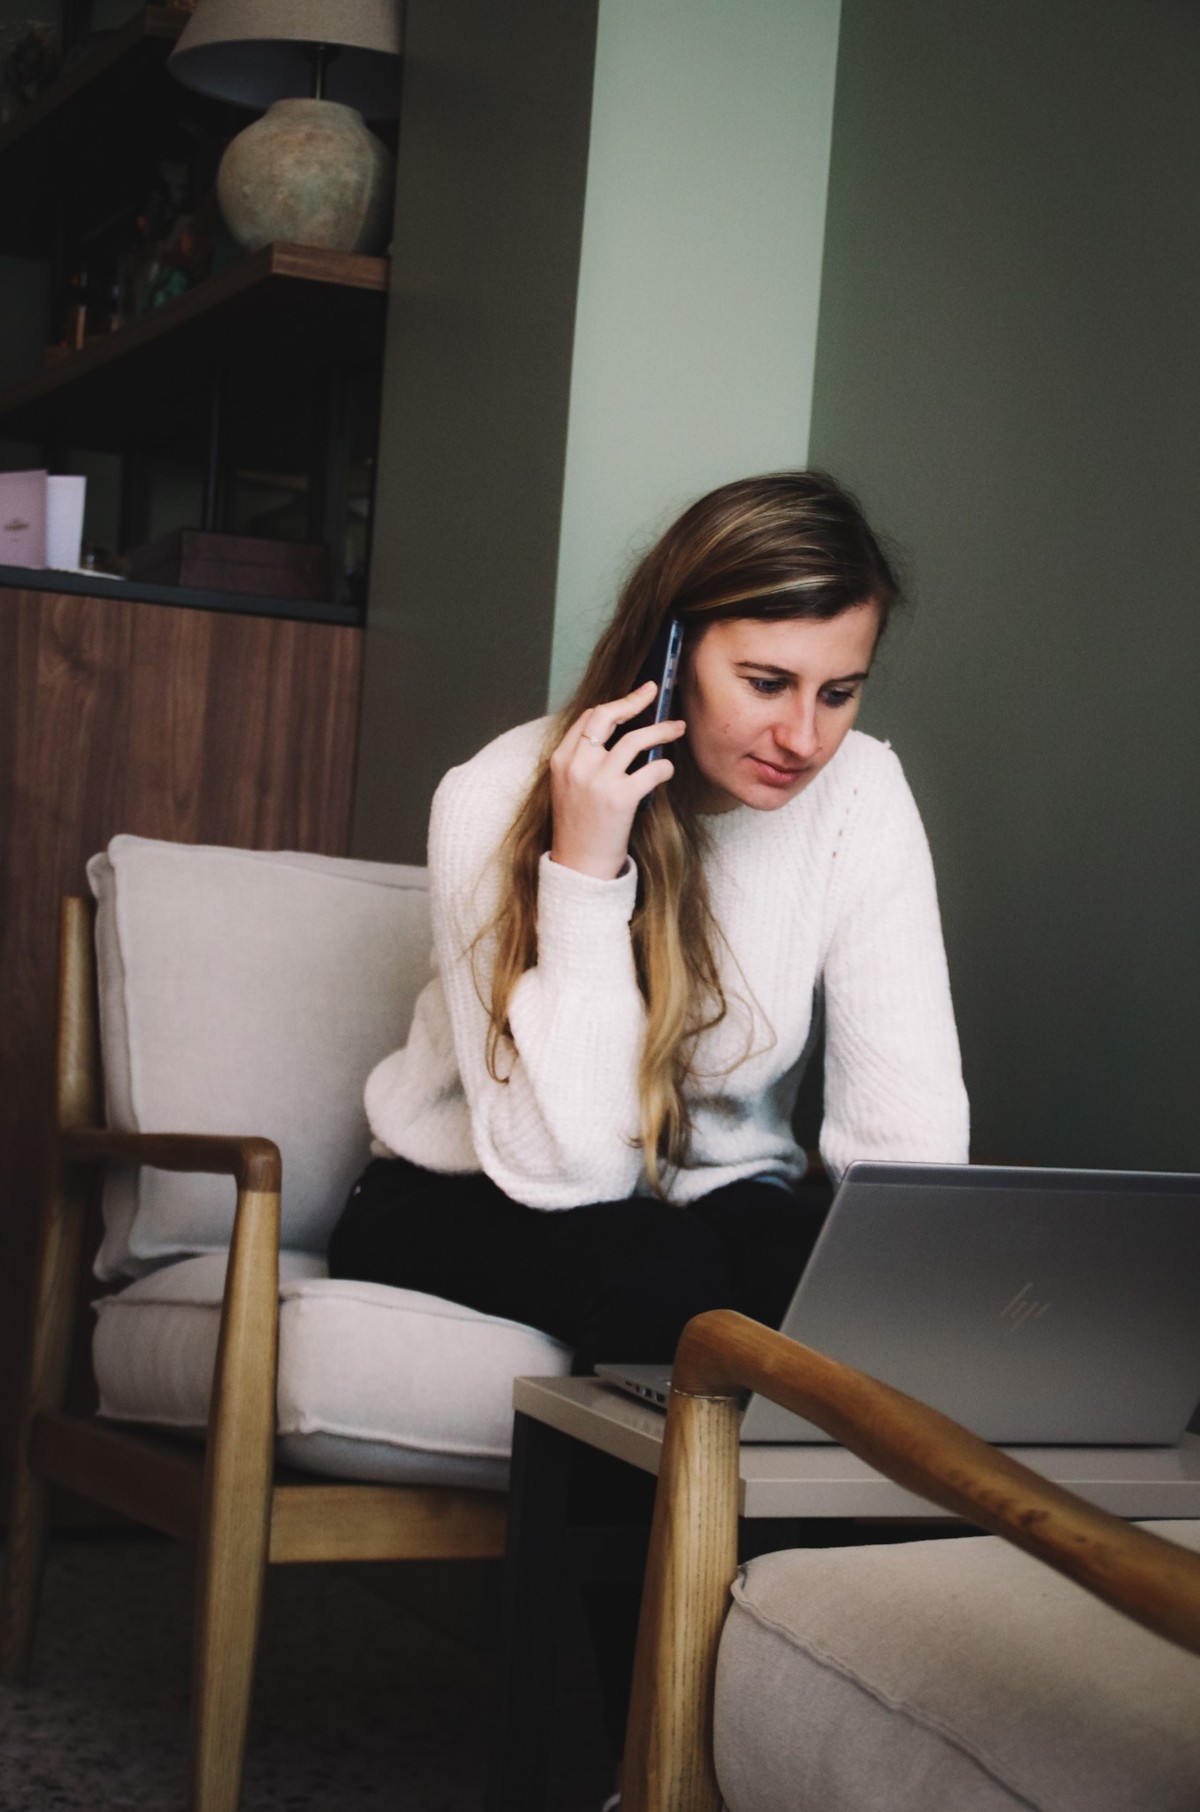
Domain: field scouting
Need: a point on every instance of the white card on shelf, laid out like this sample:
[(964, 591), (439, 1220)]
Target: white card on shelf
[(64, 522)]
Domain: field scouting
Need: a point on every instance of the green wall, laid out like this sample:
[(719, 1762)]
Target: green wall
[(1008, 371), (699, 280)]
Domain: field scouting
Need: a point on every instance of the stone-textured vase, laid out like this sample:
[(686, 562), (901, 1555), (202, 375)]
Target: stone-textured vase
[(310, 172)]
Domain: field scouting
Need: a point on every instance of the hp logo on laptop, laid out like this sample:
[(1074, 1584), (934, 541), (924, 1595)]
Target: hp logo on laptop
[(1023, 1307)]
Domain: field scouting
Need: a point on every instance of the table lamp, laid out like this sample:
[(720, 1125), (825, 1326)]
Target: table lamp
[(309, 171)]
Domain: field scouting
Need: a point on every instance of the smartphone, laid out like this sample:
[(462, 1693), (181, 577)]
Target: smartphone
[(662, 666)]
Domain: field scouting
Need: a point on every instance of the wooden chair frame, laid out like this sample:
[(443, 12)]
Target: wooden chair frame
[(223, 1496), (693, 1541)]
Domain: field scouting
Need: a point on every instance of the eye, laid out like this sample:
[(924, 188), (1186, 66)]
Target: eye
[(837, 696), (765, 688)]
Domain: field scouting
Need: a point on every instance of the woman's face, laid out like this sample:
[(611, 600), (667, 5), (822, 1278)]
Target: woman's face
[(768, 704)]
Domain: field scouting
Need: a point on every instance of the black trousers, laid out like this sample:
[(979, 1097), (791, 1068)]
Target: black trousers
[(614, 1280)]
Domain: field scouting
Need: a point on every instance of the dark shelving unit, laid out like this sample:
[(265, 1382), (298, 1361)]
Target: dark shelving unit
[(71, 156), (277, 351), (266, 325)]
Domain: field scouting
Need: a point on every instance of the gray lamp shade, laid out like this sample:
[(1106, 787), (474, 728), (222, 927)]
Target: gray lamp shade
[(253, 52)]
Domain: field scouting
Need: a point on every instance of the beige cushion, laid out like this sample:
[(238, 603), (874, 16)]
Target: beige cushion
[(374, 1383), (957, 1675), (244, 992)]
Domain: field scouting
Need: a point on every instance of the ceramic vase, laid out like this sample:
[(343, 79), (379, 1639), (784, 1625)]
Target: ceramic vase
[(311, 173)]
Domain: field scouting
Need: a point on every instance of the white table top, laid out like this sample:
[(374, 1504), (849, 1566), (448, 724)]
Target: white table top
[(822, 1480)]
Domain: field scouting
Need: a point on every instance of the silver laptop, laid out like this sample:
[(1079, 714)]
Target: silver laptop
[(1033, 1306)]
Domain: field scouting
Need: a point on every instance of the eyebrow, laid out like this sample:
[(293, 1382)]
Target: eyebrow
[(843, 679)]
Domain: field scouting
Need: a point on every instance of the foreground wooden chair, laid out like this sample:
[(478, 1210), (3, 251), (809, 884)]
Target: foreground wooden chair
[(693, 1549), (225, 1495)]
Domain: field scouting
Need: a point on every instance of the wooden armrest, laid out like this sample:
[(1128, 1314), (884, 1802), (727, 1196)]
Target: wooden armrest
[(241, 1423), (254, 1163), (693, 1542), (1151, 1580)]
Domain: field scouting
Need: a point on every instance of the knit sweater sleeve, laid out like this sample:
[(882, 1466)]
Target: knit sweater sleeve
[(558, 1129), (893, 1077)]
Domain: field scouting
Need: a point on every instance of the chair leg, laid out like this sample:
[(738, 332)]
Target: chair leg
[(236, 1520), (232, 1567), (56, 1283), (24, 1563)]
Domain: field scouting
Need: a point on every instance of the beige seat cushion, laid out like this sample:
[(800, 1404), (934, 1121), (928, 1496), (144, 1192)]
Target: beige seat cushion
[(374, 1383), (947, 1676), (243, 992)]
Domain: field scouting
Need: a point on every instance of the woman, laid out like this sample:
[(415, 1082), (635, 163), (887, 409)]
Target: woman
[(589, 1127), (629, 961)]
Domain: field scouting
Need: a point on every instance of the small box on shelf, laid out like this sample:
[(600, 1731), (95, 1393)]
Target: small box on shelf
[(244, 563)]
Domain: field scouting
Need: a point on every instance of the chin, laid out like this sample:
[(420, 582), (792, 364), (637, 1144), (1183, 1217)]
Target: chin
[(773, 799), (758, 796)]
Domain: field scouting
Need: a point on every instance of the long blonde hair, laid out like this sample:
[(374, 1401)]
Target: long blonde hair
[(791, 544)]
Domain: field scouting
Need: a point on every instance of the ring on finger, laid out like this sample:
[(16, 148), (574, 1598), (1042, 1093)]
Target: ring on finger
[(597, 742)]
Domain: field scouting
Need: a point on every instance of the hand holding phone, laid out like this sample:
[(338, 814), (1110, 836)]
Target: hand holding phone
[(662, 666), (599, 773)]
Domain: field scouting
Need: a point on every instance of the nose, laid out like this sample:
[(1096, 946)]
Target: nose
[(796, 730)]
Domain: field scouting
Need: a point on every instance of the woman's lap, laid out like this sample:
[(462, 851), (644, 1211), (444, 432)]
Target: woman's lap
[(614, 1280)]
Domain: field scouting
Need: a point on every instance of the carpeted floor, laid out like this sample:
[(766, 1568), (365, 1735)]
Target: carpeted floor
[(360, 1706)]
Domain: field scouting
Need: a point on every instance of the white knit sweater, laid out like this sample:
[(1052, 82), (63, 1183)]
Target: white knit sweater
[(834, 888)]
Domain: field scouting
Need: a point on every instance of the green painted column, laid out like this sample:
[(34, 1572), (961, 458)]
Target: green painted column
[(699, 277)]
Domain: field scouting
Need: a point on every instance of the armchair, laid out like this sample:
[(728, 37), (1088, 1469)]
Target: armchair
[(249, 1404), (927, 1675)]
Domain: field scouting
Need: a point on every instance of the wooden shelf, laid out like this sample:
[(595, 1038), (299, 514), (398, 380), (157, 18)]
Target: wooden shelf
[(86, 144), (266, 324)]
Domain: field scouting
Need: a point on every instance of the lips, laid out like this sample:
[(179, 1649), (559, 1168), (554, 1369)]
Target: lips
[(774, 775)]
